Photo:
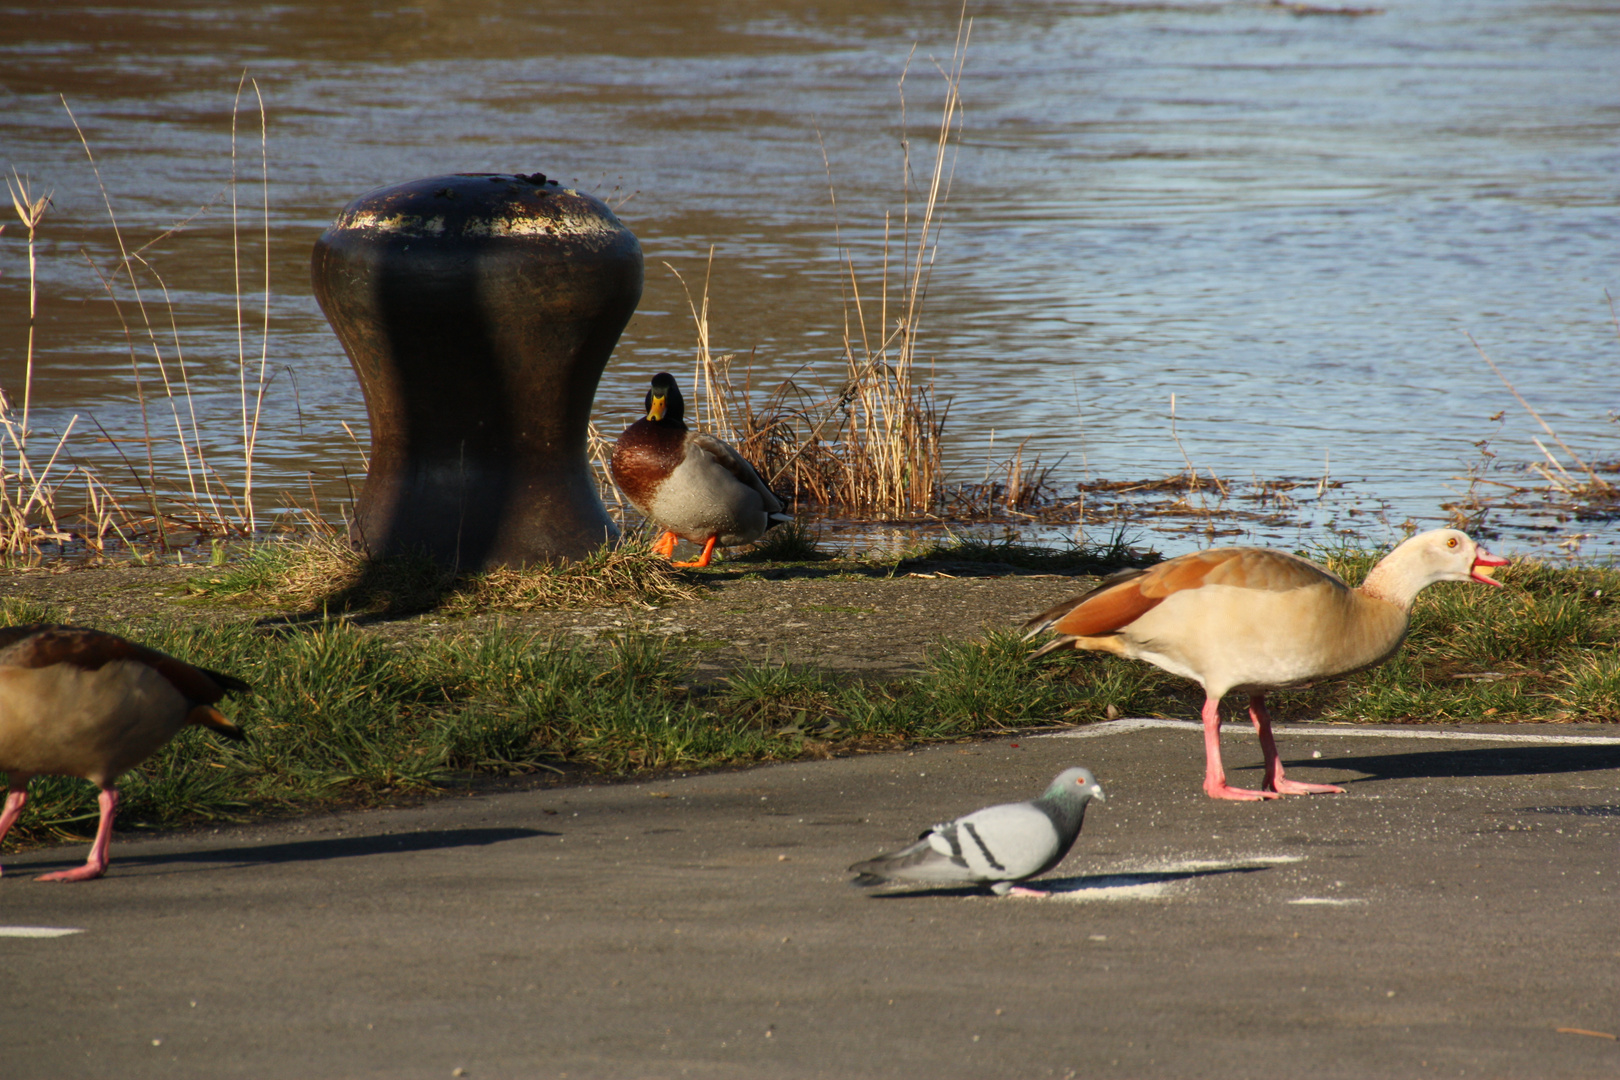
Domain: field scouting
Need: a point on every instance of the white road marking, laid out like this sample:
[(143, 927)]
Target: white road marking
[(38, 931), (1331, 901), (1118, 727)]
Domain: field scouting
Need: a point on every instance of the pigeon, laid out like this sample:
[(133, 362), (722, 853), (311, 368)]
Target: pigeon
[(77, 702), (997, 846)]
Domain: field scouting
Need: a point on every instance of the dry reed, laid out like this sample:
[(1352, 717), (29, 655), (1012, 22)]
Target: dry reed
[(871, 445), (30, 494), (324, 573)]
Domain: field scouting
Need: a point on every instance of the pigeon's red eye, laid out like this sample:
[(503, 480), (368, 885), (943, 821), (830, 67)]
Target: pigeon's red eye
[(1451, 542)]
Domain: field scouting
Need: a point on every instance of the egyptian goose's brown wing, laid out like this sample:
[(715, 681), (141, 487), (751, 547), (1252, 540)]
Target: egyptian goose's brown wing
[(1046, 619), (41, 646), (1122, 599)]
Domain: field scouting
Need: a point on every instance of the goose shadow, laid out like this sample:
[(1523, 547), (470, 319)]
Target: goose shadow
[(339, 847), (1078, 886), (1478, 762), (1587, 810)]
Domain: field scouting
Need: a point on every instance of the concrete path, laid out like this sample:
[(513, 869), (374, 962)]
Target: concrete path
[(1446, 917)]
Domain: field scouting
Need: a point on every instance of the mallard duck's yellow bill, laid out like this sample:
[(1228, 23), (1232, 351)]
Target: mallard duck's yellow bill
[(658, 407)]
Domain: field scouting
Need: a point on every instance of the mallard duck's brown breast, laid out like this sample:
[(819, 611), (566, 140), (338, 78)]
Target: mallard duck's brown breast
[(646, 455)]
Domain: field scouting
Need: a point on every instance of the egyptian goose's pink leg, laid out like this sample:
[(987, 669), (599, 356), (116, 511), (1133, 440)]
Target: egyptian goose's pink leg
[(665, 545), (1275, 780), (96, 865), (16, 799), (1215, 785)]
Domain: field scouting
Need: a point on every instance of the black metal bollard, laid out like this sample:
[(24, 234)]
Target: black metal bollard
[(478, 311)]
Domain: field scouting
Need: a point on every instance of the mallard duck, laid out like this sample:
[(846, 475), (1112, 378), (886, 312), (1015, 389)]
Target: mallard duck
[(1255, 620), (693, 486), (77, 702)]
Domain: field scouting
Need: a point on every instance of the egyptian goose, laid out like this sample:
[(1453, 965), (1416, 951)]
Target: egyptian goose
[(1254, 620), (693, 486), (998, 846), (77, 702)]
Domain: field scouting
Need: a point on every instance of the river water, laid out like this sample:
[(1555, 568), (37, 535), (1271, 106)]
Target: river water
[(1290, 222)]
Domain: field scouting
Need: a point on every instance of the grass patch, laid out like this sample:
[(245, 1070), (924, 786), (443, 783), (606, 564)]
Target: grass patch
[(792, 541), (325, 574), (341, 717), (1075, 558)]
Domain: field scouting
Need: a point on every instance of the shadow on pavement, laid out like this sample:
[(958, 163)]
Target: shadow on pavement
[(343, 847), (1600, 810), (1086, 883), (1491, 761)]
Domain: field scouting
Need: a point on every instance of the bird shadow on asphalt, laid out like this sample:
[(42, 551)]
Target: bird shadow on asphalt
[(339, 847), (1078, 887), (1483, 761)]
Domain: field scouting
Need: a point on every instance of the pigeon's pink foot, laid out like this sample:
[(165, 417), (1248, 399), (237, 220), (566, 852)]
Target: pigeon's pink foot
[(1021, 890), (1286, 786), (1223, 790), (87, 872)]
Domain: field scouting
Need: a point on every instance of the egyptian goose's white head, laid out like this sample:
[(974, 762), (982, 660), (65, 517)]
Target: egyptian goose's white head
[(1438, 555)]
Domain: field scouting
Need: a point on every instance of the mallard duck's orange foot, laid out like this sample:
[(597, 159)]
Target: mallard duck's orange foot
[(665, 545), (703, 559)]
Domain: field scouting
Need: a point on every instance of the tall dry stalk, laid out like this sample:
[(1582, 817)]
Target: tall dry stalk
[(31, 211), (250, 428)]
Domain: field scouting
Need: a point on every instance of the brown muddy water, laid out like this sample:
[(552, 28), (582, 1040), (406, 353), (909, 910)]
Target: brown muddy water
[(1288, 221)]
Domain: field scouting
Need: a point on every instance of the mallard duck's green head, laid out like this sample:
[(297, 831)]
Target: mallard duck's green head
[(664, 401)]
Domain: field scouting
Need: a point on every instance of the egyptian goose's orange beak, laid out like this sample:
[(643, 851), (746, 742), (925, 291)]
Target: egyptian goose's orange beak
[(1485, 564)]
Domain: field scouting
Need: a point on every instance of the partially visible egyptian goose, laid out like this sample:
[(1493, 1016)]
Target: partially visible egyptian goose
[(693, 486), (1254, 620), (77, 702)]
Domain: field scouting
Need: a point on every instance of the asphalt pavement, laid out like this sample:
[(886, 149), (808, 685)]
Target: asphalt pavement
[(1455, 913)]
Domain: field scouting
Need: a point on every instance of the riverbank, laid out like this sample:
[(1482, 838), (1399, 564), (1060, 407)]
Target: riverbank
[(759, 662)]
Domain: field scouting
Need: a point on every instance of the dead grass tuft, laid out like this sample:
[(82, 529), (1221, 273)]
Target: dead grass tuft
[(325, 574)]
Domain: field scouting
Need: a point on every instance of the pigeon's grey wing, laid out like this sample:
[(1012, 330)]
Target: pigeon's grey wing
[(1011, 841), (933, 858)]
